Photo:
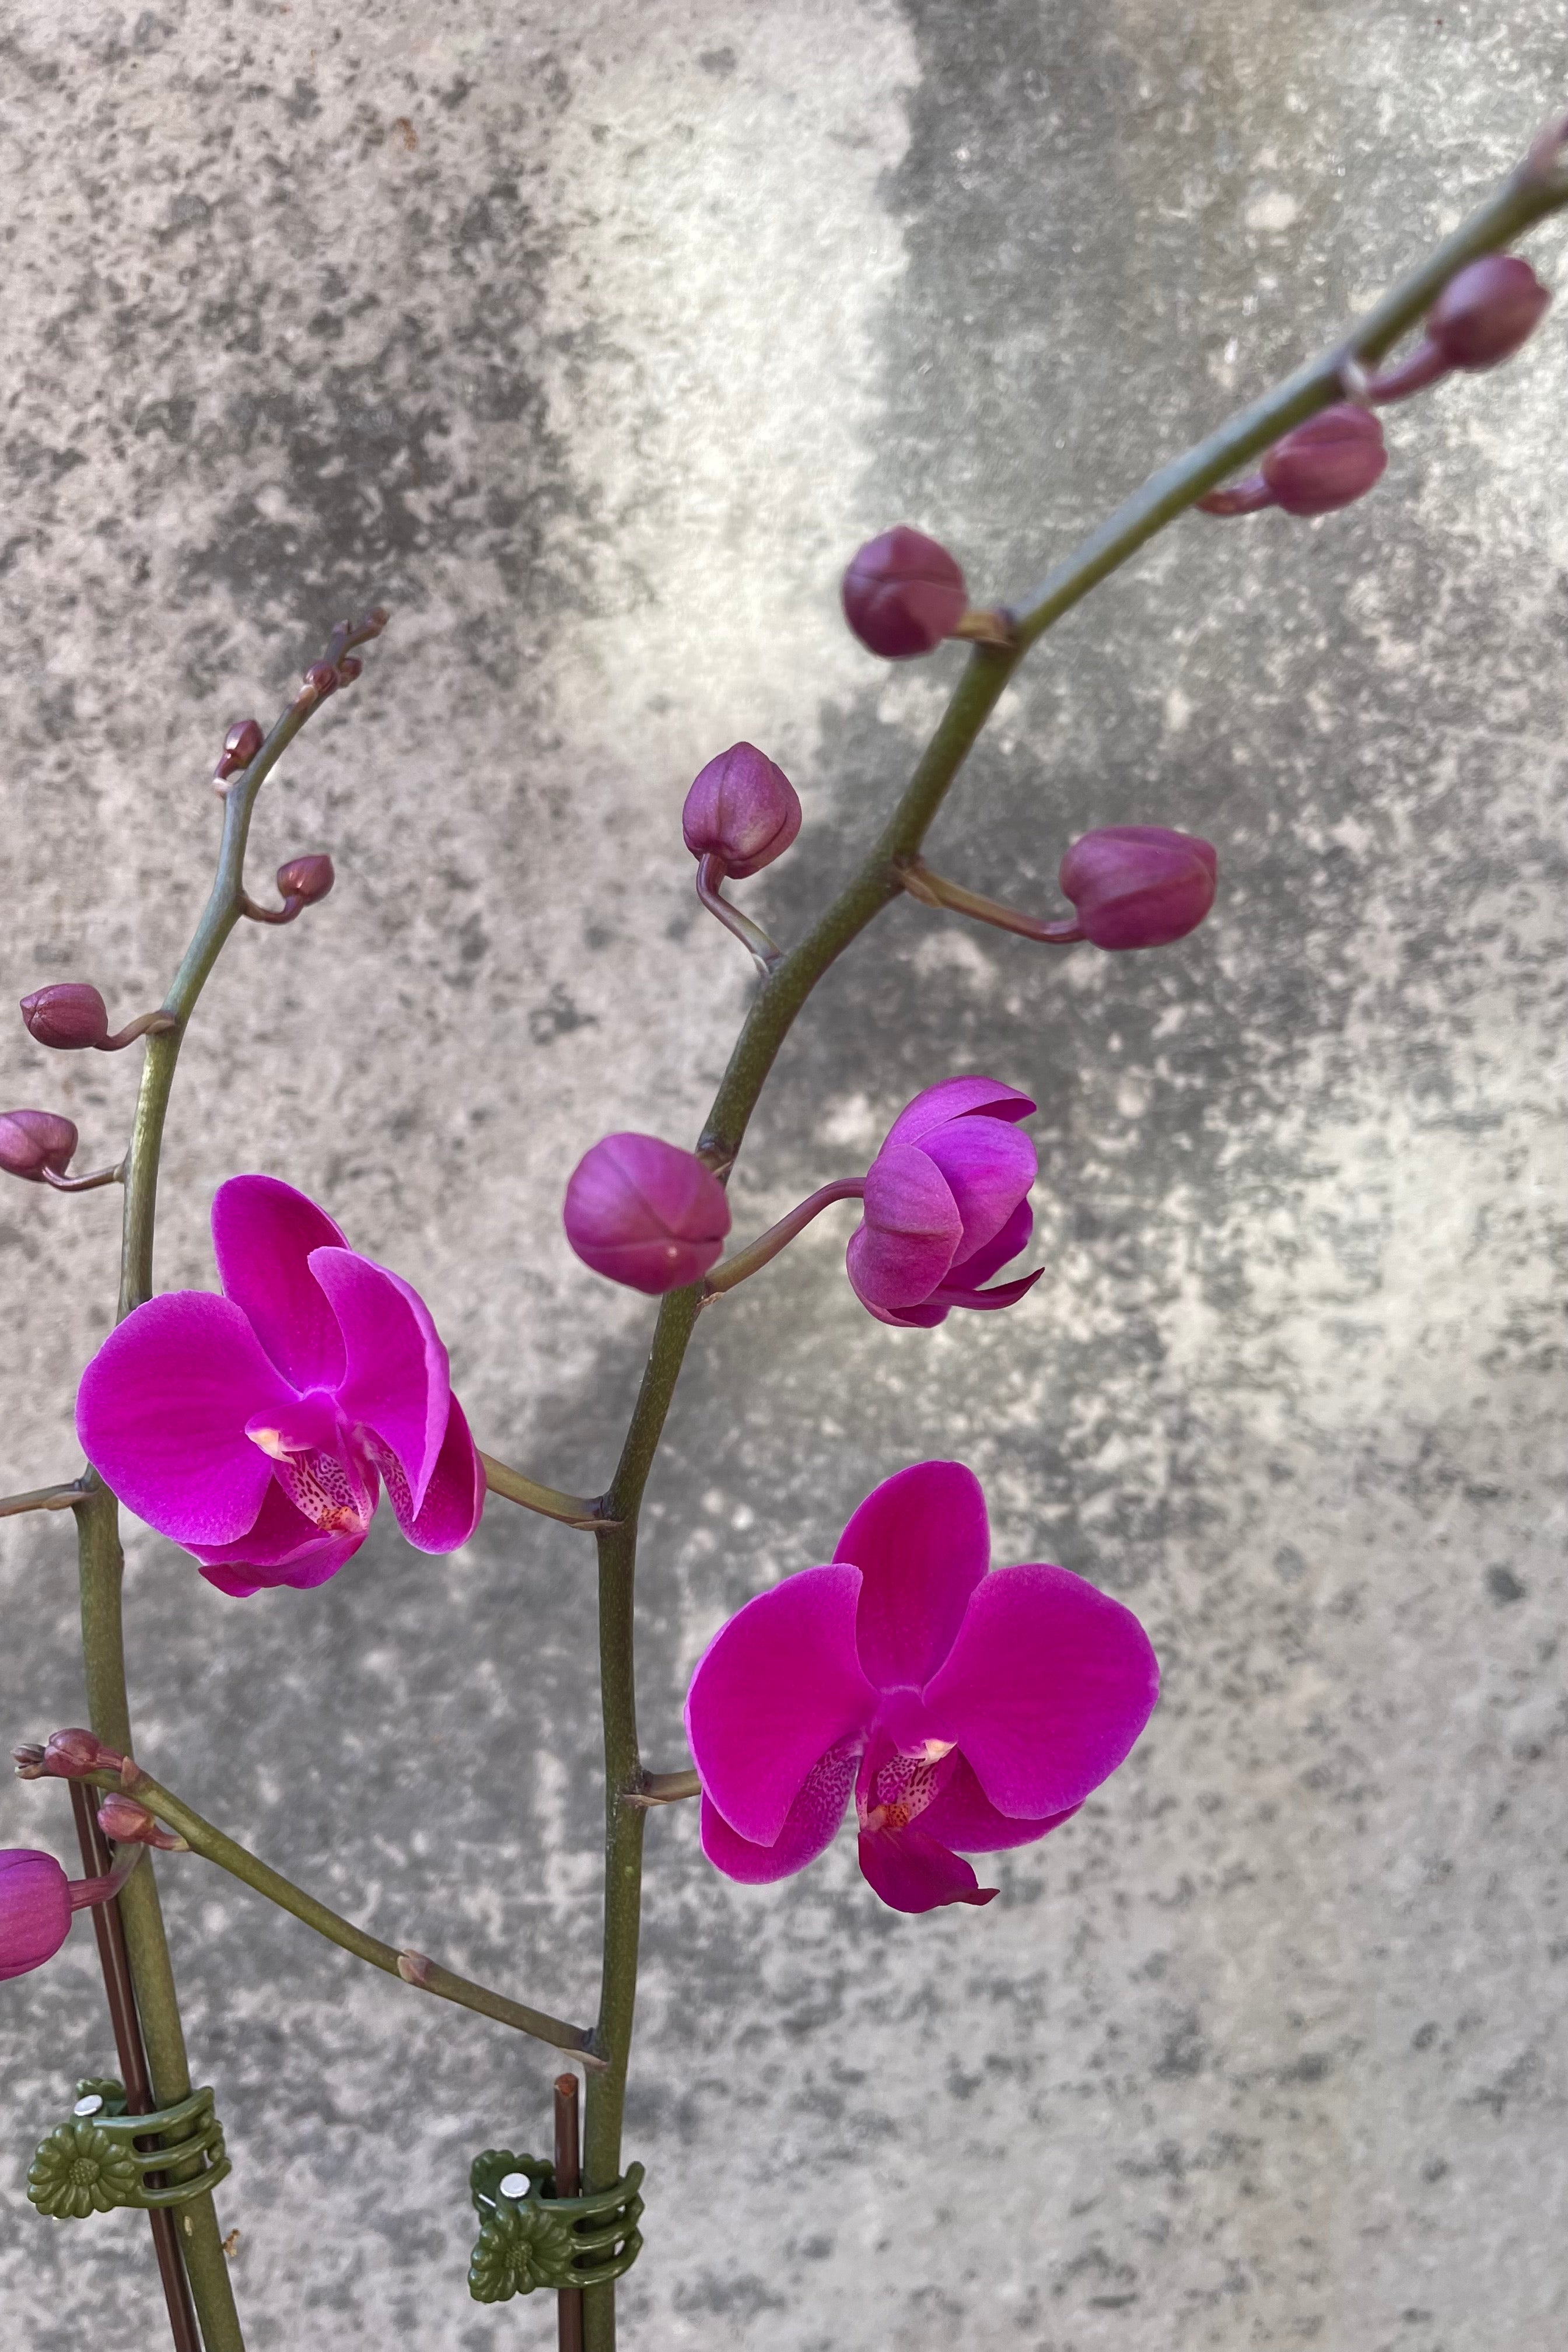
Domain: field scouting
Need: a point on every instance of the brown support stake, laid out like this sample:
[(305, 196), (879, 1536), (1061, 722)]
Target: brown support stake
[(98, 1861), (569, 2300)]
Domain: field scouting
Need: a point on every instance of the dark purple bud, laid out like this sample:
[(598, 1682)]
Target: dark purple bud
[(309, 878), (1485, 313), (32, 1141), (128, 1823), (68, 1014), (35, 1910), (1138, 885), (322, 679), (74, 1751), (903, 593), (741, 809), (646, 1212), (1329, 462), (349, 668), (240, 746)]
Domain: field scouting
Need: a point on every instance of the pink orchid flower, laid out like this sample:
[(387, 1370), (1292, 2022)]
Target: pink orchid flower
[(256, 1429), (946, 1205), (966, 1709)]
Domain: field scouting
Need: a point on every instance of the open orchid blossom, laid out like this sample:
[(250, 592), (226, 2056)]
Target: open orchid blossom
[(946, 1205), (968, 1709), (257, 1429)]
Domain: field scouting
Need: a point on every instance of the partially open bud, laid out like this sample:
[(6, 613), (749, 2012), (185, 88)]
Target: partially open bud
[(1138, 885), (240, 746), (741, 809), (646, 1212), (1329, 462), (32, 1141), (1482, 317), (128, 1823), (70, 1014), (903, 593), (307, 878)]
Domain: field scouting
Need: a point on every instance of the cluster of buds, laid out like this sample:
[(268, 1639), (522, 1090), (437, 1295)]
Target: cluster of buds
[(72, 1754), (1485, 313)]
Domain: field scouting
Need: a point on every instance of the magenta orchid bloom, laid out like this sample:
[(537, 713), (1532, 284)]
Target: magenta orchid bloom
[(256, 1429), (946, 1205), (966, 1709)]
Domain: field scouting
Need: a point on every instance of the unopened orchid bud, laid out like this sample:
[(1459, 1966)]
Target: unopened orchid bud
[(32, 1141), (322, 679), (28, 1759), (73, 1752), (1138, 885), (240, 746), (69, 1014), (349, 668), (646, 1212), (1329, 462), (741, 809), (1481, 318), (35, 1910), (307, 878), (903, 593), (128, 1823)]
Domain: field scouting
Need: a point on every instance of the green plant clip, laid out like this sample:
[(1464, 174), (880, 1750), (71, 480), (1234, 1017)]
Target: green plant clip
[(531, 2238), (92, 2163)]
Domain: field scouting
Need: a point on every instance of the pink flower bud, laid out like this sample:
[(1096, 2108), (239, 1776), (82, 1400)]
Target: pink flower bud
[(240, 746), (74, 1751), (309, 878), (903, 593), (322, 679), (741, 809), (35, 1909), (32, 1141), (646, 1212), (128, 1823), (68, 1014), (1486, 313), (349, 668), (1327, 462), (1138, 885)]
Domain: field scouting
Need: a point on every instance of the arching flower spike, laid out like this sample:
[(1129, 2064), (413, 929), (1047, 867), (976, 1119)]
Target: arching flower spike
[(256, 1429), (968, 1709)]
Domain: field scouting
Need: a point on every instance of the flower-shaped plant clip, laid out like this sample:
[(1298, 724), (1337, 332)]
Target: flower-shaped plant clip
[(529, 2238)]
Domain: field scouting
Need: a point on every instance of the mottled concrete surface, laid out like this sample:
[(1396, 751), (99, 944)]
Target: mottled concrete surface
[(593, 338)]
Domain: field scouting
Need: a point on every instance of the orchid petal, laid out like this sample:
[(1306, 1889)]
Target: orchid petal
[(989, 1167), (162, 1413), (777, 1688), (455, 1498), (968, 1273), (912, 1231), (283, 1547), (922, 1542), (810, 1826), (263, 1234), (912, 1872), (1045, 1688), (396, 1381), (1001, 1294), (914, 1318), (963, 1816), (957, 1098)]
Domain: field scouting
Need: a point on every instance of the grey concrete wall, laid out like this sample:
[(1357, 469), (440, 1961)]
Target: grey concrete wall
[(593, 338)]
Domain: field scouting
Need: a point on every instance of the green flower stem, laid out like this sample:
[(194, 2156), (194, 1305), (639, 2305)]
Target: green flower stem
[(572, 1511), (43, 1498), (1539, 187), (413, 1968), (100, 1560), (933, 890), (777, 1238)]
